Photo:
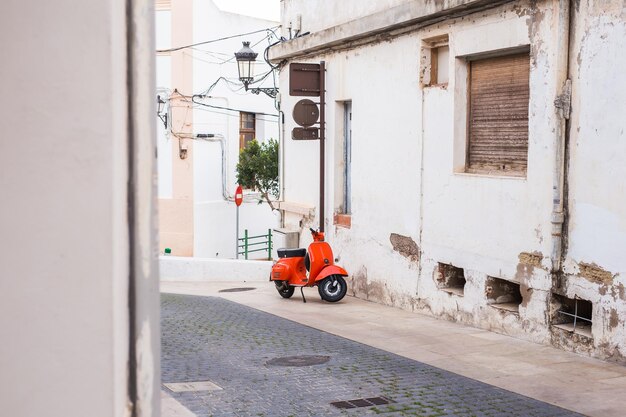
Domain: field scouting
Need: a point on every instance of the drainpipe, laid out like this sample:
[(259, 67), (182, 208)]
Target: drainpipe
[(562, 105), (215, 137), (281, 134), (421, 204)]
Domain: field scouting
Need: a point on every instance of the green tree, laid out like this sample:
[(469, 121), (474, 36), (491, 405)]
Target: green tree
[(257, 169)]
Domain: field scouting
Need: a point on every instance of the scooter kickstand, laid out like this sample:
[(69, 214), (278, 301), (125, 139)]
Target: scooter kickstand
[(302, 292)]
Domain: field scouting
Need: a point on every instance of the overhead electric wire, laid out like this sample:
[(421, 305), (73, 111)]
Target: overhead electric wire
[(230, 56), (226, 108), (233, 86), (227, 114), (217, 40)]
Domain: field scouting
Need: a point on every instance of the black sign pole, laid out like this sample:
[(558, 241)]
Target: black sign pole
[(322, 139)]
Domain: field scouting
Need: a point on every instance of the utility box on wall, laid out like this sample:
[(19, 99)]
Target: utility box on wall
[(285, 238)]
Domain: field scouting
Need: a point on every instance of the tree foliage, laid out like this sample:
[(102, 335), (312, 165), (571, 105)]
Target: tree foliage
[(257, 168)]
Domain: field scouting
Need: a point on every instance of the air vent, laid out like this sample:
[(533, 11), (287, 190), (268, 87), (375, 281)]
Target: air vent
[(573, 315), (450, 279), (503, 294)]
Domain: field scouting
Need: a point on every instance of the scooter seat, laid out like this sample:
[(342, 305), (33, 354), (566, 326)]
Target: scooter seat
[(291, 253)]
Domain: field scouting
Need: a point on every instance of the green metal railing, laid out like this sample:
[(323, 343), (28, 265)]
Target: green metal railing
[(246, 242)]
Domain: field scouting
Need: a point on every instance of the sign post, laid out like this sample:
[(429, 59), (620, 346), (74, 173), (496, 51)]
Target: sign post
[(309, 80), (238, 200)]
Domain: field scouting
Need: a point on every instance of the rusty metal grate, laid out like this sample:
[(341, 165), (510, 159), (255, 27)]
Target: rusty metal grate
[(303, 360), (237, 289), (362, 402)]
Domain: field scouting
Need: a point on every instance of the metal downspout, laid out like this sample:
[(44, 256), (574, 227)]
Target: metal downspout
[(281, 162), (421, 203), (217, 137), (562, 105)]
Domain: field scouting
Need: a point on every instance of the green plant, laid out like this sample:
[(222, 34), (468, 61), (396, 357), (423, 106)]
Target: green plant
[(257, 169)]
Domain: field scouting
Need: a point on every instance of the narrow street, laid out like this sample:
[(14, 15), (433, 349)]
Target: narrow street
[(249, 357)]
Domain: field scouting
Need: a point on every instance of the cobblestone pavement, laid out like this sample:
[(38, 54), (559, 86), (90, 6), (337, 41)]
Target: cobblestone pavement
[(212, 339)]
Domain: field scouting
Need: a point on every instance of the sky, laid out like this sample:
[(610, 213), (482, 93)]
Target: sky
[(265, 9)]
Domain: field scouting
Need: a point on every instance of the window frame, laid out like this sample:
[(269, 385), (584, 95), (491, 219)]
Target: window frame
[(429, 61), (246, 130)]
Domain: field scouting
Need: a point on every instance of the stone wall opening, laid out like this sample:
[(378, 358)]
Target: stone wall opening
[(503, 294), (572, 314), (450, 279)]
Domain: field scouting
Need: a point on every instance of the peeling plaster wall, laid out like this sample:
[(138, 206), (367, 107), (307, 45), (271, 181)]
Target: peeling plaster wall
[(490, 226), (407, 142), (595, 265)]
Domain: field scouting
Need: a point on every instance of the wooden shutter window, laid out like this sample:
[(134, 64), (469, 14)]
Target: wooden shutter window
[(498, 115), (247, 128)]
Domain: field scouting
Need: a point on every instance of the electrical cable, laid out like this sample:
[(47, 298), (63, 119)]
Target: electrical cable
[(226, 108), (216, 40), (253, 45)]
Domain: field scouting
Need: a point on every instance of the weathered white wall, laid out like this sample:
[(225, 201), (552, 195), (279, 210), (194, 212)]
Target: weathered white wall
[(484, 223), (65, 250), (408, 142), (595, 263)]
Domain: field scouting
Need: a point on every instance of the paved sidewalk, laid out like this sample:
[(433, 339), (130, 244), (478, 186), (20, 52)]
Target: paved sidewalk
[(584, 385)]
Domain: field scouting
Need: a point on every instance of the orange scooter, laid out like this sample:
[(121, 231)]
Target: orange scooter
[(290, 271)]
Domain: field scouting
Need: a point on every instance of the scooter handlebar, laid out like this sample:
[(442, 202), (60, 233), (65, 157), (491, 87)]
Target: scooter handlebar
[(312, 230)]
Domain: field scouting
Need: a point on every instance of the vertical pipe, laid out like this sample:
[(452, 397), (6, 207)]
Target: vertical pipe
[(421, 185), (322, 140), (558, 186), (281, 156), (269, 244)]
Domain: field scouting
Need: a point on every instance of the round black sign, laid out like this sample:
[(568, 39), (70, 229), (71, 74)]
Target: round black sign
[(306, 113)]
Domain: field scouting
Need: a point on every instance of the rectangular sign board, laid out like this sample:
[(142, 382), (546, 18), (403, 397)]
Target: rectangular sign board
[(304, 79), (305, 133)]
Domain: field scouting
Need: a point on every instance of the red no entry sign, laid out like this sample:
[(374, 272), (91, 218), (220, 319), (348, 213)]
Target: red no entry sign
[(239, 195)]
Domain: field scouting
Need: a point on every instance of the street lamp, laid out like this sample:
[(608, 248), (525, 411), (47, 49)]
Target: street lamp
[(160, 108), (246, 58)]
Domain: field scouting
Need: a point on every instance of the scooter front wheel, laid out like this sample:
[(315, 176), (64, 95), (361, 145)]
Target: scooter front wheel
[(333, 288), (285, 291)]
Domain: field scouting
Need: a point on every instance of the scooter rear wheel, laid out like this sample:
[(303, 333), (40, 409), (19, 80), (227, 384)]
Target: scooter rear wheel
[(333, 288), (285, 293)]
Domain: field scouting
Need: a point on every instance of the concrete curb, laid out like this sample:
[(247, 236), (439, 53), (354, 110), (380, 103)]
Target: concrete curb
[(178, 269)]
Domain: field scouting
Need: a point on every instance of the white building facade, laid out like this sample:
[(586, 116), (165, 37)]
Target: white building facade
[(475, 160), (208, 113), (79, 279)]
